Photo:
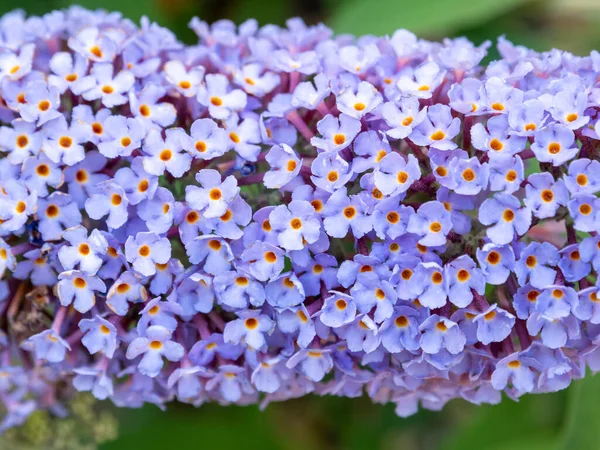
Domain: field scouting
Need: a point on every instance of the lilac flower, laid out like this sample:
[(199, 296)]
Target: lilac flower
[(515, 370), (470, 176), (232, 382), (589, 251), (544, 196), (237, 290), (285, 166), (108, 88), (535, 264), (146, 107), (454, 203), (338, 309), (70, 72), (402, 118), (94, 46), (432, 223), (165, 154), (554, 144), (584, 210), (588, 306), (284, 291), (429, 283), (583, 177), (94, 380), (145, 250), (493, 325), (391, 218), (47, 345), (308, 95), (136, 182), (507, 217), (496, 141), (57, 213), (123, 135), (554, 332), (343, 213), (467, 97), (527, 118), (220, 100), (249, 328), (126, 289), (440, 333), (438, 129), (360, 102), (314, 364), (212, 198), (65, 143), (157, 312), (213, 251), (394, 175), (571, 265), (21, 140), (296, 224), (40, 103), (330, 171), (462, 276), (337, 133), (206, 140), (263, 261), (110, 200), (100, 335), (186, 82), (83, 177), (422, 81), (78, 288), (401, 331), (155, 344), (158, 212), (496, 262), (506, 174)]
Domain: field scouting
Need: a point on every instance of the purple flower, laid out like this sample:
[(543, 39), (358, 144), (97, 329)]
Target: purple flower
[(206, 140), (535, 265), (219, 98), (78, 288), (583, 177), (165, 154), (507, 217), (343, 213), (145, 250), (250, 329), (544, 195), (285, 166), (296, 224), (154, 344), (123, 135), (109, 200), (100, 335), (314, 364), (554, 144), (357, 103), (440, 333), (47, 345), (432, 223), (212, 198), (496, 262), (337, 133), (516, 370), (438, 129), (330, 171), (108, 88), (493, 325), (462, 276), (394, 175), (422, 81)]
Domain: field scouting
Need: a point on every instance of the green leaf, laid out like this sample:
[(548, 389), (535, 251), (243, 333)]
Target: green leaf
[(581, 430), (433, 16)]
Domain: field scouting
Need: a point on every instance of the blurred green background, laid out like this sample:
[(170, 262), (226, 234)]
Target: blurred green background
[(564, 420)]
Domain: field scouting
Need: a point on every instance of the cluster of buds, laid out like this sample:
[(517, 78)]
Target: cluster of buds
[(277, 211)]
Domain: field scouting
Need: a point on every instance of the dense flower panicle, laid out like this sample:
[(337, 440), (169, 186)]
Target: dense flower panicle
[(277, 211)]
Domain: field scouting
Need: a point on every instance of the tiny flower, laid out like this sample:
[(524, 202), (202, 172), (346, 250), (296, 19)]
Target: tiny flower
[(206, 140), (430, 285), (470, 176), (432, 222), (462, 276), (330, 171), (254, 81), (337, 133), (535, 264), (238, 289), (402, 119), (554, 144), (507, 217), (40, 103), (93, 380), (157, 213), (138, 184), (39, 172), (358, 104), (186, 82), (155, 344), (394, 175), (16, 205), (78, 288), (47, 345), (285, 166), (84, 251), (496, 262), (526, 118), (589, 250), (285, 291), (165, 154), (219, 98), (250, 329), (308, 95), (146, 107), (70, 72), (83, 177), (296, 224), (212, 250), (110, 200), (440, 333), (123, 136), (422, 81), (401, 331), (438, 129), (495, 140), (65, 143), (108, 88), (100, 336), (588, 306), (21, 140), (212, 198), (157, 312), (571, 265), (516, 370), (89, 42), (263, 261), (343, 213), (506, 173), (145, 250), (583, 177), (314, 363), (544, 195), (338, 309), (584, 209), (493, 325)]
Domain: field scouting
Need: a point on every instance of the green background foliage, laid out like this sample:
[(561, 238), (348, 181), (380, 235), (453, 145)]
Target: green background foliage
[(563, 420)]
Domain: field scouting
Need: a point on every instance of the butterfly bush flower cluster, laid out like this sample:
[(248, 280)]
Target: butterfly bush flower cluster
[(278, 211)]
